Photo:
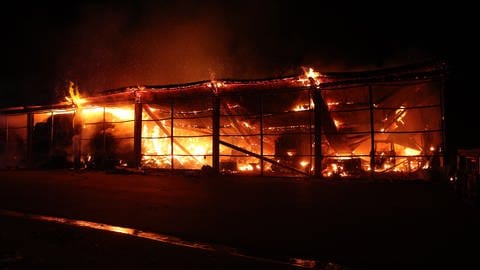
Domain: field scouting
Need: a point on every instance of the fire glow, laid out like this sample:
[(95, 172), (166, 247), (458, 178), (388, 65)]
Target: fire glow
[(74, 95), (192, 151), (309, 74), (267, 135)]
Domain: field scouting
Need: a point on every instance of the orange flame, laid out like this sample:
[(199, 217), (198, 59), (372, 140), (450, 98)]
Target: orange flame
[(401, 112), (411, 152), (74, 97), (303, 106), (308, 75), (157, 148), (337, 123)]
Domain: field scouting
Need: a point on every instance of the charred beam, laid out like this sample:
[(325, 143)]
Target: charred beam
[(166, 131), (234, 147), (238, 127)]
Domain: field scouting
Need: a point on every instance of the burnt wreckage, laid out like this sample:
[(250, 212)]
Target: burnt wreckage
[(334, 124)]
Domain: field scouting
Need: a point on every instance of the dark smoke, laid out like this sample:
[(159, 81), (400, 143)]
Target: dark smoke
[(112, 44), (123, 46)]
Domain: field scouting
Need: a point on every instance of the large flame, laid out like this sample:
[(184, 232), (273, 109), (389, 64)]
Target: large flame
[(303, 106), (190, 147), (188, 152), (309, 74), (117, 113), (74, 95)]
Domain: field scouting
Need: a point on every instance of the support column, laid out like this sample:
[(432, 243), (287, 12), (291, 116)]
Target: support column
[(29, 139), (137, 133), (372, 132), (77, 139), (104, 141), (5, 128), (261, 134), (172, 139), (311, 152), (216, 134), (52, 134), (444, 152), (7, 151), (317, 101)]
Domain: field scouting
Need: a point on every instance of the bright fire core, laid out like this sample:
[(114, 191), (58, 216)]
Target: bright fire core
[(187, 144)]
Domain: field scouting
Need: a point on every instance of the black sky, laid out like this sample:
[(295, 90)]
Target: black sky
[(109, 44)]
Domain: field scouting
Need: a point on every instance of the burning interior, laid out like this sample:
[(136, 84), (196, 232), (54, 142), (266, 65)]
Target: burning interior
[(334, 124)]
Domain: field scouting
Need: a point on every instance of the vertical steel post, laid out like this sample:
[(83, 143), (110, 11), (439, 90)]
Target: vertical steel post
[(172, 140), (372, 131), (29, 139), (216, 132), (104, 143), (261, 134), (444, 152), (317, 102), (137, 132), (311, 154), (52, 133), (5, 124), (77, 140)]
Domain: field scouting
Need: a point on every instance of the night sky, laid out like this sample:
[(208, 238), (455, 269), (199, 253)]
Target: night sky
[(108, 44)]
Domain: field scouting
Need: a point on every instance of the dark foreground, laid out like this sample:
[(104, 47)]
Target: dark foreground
[(39, 245), (358, 225)]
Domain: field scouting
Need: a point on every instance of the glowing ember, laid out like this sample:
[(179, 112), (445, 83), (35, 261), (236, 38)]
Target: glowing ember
[(303, 107), (334, 167), (400, 114), (299, 108), (304, 163), (215, 84), (332, 103), (337, 123), (411, 152), (245, 167), (247, 125)]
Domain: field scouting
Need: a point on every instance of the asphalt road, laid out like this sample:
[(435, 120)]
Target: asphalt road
[(39, 245), (356, 225)]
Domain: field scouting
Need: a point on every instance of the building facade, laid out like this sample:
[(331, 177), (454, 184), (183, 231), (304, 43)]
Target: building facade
[(382, 122)]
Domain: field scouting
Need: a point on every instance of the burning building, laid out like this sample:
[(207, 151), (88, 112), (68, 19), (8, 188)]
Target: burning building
[(334, 124)]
